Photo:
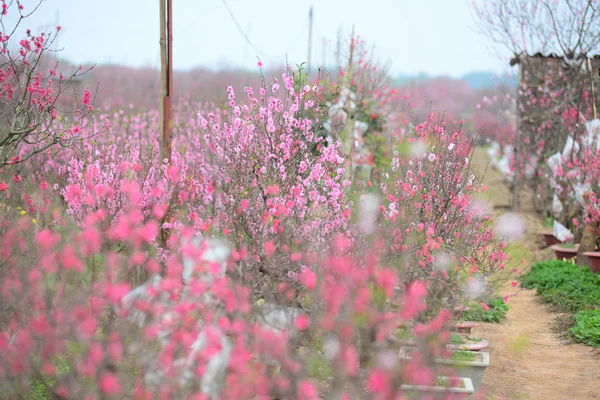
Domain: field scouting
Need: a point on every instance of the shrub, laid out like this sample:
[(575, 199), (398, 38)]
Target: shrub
[(496, 311), (587, 328), (565, 285)]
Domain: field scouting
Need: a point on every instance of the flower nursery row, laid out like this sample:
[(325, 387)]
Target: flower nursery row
[(263, 258)]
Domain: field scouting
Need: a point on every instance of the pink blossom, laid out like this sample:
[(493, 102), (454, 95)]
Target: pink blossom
[(109, 384)]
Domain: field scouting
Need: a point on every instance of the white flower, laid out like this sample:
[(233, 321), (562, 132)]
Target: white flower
[(431, 157), (451, 146)]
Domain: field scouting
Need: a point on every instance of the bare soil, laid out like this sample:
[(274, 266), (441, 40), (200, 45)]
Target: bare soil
[(527, 361)]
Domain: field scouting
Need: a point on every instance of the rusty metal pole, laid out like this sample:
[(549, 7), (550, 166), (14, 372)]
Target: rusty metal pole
[(166, 124), (166, 50), (163, 75)]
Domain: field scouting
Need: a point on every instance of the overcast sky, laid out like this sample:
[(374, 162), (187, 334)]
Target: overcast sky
[(433, 36)]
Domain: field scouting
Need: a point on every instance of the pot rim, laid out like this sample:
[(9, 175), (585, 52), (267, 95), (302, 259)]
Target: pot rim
[(468, 383)]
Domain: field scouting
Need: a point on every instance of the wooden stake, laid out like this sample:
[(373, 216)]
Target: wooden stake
[(166, 53)]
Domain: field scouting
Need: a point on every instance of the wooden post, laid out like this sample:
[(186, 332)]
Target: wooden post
[(166, 124), (166, 52)]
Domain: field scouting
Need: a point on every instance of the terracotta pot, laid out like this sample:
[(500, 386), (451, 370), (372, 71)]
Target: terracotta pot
[(550, 239), (564, 252), (459, 309), (594, 257), (463, 327)]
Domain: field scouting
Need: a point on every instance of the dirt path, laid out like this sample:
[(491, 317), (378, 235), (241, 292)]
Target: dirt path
[(526, 360)]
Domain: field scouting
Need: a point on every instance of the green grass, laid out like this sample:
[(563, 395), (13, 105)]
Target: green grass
[(587, 328), (457, 339), (573, 289), (496, 312), (463, 355), (569, 287)]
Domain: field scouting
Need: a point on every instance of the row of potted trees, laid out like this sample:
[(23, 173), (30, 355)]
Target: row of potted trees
[(567, 249), (460, 367)]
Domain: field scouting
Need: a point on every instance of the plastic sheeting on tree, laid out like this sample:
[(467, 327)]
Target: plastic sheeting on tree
[(580, 189), (571, 148), (593, 134), (557, 207), (561, 232)]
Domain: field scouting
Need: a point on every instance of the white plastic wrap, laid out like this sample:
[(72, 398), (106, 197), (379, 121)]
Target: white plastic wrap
[(570, 147), (580, 190), (493, 153), (557, 207), (593, 134), (554, 162), (504, 167), (561, 232), (508, 151), (531, 167)]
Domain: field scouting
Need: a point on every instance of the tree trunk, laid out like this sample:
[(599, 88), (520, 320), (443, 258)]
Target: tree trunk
[(587, 243)]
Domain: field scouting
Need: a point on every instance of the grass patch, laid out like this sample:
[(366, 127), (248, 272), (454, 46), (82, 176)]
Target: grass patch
[(450, 383), (496, 312), (564, 285), (463, 355), (571, 288), (587, 328)]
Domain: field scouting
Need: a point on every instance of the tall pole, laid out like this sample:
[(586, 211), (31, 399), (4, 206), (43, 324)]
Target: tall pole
[(166, 46), (310, 28), (166, 62)]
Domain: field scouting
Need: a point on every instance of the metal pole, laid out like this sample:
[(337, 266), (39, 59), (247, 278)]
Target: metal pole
[(166, 50), (169, 95), (163, 76)]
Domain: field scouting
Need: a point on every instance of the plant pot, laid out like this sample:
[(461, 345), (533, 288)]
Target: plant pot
[(458, 310), (550, 239), (414, 392), (470, 345), (564, 253), (594, 257), (474, 370), (463, 327)]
